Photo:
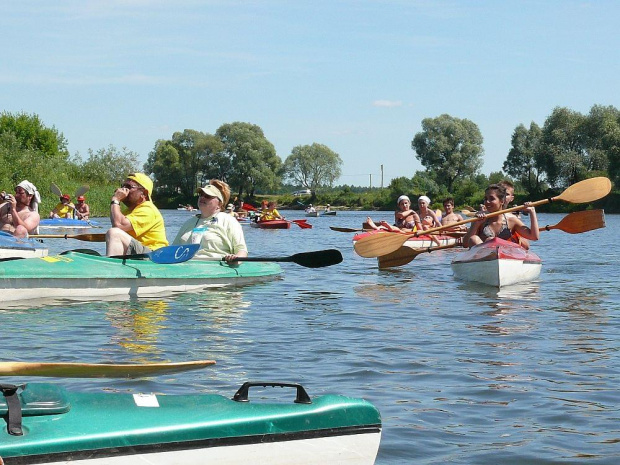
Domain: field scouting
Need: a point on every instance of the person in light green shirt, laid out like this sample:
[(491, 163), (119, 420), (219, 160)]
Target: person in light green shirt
[(219, 234)]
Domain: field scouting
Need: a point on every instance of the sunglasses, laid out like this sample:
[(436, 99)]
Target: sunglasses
[(130, 186)]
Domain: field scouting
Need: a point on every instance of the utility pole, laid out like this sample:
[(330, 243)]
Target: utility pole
[(381, 176), (370, 180)]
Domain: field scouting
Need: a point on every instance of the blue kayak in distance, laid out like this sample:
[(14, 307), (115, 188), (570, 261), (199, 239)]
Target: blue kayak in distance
[(11, 247), (67, 223)]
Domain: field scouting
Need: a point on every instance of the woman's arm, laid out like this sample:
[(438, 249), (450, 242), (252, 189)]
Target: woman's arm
[(532, 233)]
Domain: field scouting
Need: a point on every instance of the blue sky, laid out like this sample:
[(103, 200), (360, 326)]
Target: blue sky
[(357, 76)]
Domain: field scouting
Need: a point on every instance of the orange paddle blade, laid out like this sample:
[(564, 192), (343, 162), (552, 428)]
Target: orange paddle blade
[(406, 254), (579, 222)]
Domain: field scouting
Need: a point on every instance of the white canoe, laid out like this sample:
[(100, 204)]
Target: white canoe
[(312, 214), (497, 263), (420, 242)]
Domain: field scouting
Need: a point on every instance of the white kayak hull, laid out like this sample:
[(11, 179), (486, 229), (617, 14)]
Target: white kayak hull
[(497, 263), (358, 449)]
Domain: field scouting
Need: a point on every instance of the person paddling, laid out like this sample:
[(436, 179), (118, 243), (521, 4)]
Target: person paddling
[(502, 226), (64, 208)]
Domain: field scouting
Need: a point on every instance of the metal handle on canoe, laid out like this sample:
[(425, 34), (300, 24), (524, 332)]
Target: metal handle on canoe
[(242, 395)]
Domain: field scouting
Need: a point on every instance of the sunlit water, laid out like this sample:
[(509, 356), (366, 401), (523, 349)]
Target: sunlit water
[(461, 373)]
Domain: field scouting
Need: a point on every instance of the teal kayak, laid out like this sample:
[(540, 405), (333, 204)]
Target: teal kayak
[(81, 276), (44, 423)]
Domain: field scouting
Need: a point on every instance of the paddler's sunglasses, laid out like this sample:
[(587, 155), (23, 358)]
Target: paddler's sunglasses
[(129, 186)]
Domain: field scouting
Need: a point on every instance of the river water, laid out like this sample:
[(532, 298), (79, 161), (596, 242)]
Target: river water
[(461, 373)]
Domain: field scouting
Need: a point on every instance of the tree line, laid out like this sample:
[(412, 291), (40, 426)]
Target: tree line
[(567, 148)]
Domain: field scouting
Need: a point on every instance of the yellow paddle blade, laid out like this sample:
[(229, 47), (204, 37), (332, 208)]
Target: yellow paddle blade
[(585, 191), (379, 244), (94, 370)]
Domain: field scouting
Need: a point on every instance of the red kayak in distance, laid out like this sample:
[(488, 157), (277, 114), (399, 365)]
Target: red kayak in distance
[(272, 224)]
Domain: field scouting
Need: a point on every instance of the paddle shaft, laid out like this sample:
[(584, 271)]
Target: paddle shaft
[(93, 370), (96, 237), (315, 259)]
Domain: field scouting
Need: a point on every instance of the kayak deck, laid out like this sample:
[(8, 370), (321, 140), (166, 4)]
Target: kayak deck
[(61, 426)]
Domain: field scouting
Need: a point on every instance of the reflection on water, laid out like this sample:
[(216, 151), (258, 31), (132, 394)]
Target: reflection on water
[(138, 326)]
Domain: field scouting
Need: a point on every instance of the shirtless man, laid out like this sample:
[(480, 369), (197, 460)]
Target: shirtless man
[(451, 217), (82, 210), (19, 214)]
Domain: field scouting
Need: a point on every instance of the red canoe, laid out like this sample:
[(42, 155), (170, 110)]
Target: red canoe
[(272, 224)]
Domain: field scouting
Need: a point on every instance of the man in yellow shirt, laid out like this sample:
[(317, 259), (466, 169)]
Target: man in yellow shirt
[(140, 229)]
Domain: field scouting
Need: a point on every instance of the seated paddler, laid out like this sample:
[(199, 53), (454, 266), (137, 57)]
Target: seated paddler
[(219, 234), (139, 227)]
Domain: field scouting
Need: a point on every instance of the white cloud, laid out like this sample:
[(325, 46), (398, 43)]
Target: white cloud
[(387, 103)]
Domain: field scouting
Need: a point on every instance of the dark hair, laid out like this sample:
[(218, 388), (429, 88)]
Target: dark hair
[(501, 190), (448, 200)]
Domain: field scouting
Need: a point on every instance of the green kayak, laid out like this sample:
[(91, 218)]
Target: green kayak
[(81, 276), (44, 423)]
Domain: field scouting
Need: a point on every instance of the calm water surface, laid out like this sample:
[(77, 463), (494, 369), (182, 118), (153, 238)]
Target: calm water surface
[(461, 373)]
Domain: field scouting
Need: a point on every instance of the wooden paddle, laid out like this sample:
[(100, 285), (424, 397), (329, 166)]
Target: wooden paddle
[(573, 223), (405, 254), (579, 222), (582, 192), (96, 370), (99, 237), (315, 259)]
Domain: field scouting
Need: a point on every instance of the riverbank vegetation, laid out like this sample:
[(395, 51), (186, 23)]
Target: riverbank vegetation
[(542, 161)]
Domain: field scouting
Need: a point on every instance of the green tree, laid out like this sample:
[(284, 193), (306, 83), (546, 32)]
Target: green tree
[(565, 156), (313, 166), (30, 133), (109, 165), (603, 139), (450, 148), (254, 163), (522, 162), (184, 161)]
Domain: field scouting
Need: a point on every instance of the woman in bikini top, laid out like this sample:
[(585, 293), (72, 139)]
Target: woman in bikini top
[(483, 229), (486, 232)]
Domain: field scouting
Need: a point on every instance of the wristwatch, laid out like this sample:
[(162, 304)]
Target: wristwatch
[(115, 202)]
